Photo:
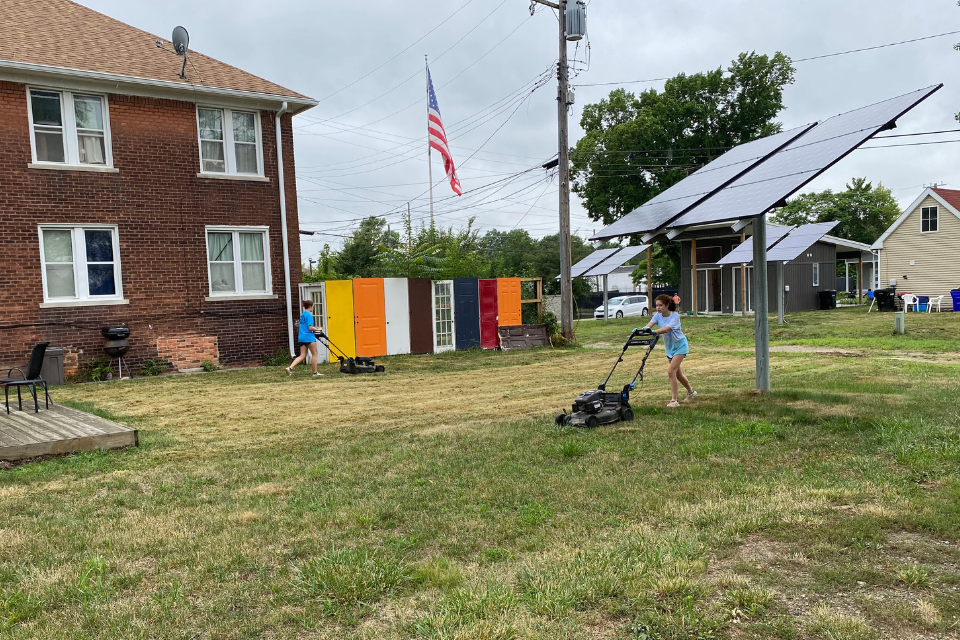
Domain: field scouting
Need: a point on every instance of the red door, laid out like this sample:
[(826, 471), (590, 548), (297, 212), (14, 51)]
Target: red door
[(489, 338)]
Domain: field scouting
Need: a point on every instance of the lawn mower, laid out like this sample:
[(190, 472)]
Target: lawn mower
[(596, 407), (356, 365)]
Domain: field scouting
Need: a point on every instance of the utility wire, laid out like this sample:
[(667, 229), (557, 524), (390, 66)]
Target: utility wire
[(826, 55)]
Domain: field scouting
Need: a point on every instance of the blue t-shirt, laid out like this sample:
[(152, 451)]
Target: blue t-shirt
[(306, 321), (675, 335)]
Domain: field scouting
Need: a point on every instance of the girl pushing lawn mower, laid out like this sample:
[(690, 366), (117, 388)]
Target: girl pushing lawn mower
[(308, 341), (667, 321)]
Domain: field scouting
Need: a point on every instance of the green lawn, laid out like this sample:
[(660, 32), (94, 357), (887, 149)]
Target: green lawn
[(439, 501)]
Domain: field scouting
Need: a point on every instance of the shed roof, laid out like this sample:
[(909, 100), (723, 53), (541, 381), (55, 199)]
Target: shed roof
[(63, 36)]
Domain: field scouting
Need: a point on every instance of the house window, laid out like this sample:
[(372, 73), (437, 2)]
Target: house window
[(929, 219), (69, 128), (816, 274), (80, 263), (230, 142), (239, 261)]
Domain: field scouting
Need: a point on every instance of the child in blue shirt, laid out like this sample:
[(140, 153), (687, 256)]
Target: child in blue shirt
[(667, 321), (308, 341)]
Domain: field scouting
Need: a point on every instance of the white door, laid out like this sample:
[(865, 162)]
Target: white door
[(317, 292), (396, 297), (444, 334)]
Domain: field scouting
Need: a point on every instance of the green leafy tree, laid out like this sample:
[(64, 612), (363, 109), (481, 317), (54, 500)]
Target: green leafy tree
[(325, 269), (511, 253), (635, 147), (666, 266), (864, 211), (359, 256), (415, 254)]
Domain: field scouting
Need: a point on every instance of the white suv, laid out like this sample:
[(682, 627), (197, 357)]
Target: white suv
[(624, 306)]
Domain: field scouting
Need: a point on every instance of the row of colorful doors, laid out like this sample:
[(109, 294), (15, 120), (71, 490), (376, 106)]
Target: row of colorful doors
[(393, 316)]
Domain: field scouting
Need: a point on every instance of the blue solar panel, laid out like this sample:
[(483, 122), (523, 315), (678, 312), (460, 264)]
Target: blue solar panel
[(799, 240), (774, 180), (591, 261), (744, 252), (669, 204), (616, 261)]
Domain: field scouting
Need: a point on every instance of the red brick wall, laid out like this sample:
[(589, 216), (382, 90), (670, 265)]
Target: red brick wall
[(189, 352), (161, 208)]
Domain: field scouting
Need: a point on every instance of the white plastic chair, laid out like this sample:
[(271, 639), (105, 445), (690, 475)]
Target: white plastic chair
[(910, 299), (934, 300)]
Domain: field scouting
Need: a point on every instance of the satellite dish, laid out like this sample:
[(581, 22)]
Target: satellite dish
[(180, 40)]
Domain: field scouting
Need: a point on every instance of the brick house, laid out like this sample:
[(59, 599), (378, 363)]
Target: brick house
[(130, 195)]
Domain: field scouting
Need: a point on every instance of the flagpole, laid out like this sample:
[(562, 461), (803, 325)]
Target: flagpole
[(429, 152)]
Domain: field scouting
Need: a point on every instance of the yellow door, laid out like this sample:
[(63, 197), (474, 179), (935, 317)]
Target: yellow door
[(340, 320)]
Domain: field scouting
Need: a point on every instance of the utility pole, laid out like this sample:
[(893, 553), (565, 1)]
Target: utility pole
[(563, 92), (311, 261)]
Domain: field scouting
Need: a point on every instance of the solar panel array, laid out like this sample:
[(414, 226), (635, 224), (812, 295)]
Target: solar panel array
[(591, 261), (799, 240), (616, 261), (671, 203), (775, 179), (744, 252)]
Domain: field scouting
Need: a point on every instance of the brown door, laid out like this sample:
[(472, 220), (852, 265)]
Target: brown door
[(421, 315)]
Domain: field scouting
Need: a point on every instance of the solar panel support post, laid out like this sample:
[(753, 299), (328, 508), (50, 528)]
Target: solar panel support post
[(859, 276), (780, 292), (649, 277), (743, 281), (606, 304), (694, 300), (761, 307)]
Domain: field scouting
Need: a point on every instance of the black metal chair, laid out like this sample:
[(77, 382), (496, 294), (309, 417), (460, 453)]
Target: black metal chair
[(30, 380)]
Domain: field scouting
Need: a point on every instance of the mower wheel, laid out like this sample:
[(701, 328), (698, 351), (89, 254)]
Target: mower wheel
[(619, 314), (592, 422), (380, 368), (627, 415), (645, 311)]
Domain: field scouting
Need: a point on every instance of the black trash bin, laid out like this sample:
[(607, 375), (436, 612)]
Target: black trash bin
[(828, 299)]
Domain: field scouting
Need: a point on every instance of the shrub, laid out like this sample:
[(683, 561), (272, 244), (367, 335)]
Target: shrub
[(154, 367), (209, 365), (279, 359), (95, 370)]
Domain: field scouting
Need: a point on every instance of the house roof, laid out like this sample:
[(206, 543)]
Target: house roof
[(949, 198), (64, 37), (847, 244)]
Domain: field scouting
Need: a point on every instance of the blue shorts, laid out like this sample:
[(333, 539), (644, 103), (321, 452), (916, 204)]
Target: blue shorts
[(681, 348)]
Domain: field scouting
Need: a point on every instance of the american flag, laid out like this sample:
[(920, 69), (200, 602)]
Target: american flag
[(438, 137)]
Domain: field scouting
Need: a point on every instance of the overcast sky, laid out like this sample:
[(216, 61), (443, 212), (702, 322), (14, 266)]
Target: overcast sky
[(362, 150)]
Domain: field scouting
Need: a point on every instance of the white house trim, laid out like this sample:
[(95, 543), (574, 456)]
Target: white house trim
[(928, 192)]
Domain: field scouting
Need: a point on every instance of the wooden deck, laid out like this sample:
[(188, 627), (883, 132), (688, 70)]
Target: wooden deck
[(57, 430)]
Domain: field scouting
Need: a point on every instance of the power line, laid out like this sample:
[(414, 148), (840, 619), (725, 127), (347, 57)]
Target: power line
[(820, 57), (420, 39)]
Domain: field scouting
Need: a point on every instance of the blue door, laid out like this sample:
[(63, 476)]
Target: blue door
[(466, 312)]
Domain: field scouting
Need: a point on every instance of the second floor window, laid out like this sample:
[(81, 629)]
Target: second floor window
[(229, 141), (928, 219), (69, 128)]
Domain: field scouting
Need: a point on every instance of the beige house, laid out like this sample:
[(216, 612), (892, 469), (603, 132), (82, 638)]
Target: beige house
[(920, 250)]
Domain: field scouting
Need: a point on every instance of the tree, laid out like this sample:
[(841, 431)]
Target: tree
[(864, 211), (358, 258), (325, 269), (634, 148)]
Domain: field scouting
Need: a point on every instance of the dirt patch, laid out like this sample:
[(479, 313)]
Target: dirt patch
[(827, 351), (598, 345)]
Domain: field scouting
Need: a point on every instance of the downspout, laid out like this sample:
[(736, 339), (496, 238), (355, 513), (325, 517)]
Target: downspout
[(283, 230)]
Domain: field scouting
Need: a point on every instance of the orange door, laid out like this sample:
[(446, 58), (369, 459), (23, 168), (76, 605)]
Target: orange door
[(508, 302), (370, 317)]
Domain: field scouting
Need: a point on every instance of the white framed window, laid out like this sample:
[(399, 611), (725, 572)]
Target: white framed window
[(230, 141), (929, 219), (238, 261), (443, 322), (80, 263), (816, 274), (70, 129)]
